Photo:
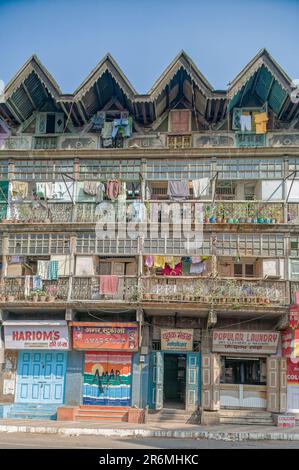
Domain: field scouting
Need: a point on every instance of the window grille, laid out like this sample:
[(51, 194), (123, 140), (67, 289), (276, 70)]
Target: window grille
[(42, 170), (249, 169), (178, 169), (179, 141), (4, 169), (38, 244), (128, 170)]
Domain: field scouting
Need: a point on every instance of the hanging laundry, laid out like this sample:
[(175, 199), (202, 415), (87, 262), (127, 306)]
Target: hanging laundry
[(159, 261), (63, 191), (105, 210), (201, 187), (37, 283), (113, 189), (178, 269), (186, 262), (100, 192), (109, 285), (19, 188), (197, 268), (42, 269), (136, 212), (4, 189), (15, 260), (44, 190), (98, 121), (90, 188), (107, 130), (27, 282), (261, 120), (167, 270), (53, 270), (178, 189), (196, 259), (170, 261), (245, 122), (124, 126), (149, 261)]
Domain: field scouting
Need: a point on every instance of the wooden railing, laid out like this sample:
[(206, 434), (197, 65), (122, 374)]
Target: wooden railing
[(88, 288), (217, 291), (13, 289)]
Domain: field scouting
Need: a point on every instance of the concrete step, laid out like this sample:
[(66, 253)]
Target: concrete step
[(226, 412), (98, 417), (248, 422), (263, 418)]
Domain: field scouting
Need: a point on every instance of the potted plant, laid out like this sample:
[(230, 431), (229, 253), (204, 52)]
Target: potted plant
[(42, 295), (34, 296)]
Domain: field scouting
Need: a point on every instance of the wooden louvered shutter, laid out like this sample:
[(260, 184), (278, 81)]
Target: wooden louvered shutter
[(211, 382), (179, 121)]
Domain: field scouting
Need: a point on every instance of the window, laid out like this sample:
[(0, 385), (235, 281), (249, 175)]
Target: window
[(250, 371), (249, 271), (294, 270), (179, 141), (179, 121), (49, 123), (238, 271)]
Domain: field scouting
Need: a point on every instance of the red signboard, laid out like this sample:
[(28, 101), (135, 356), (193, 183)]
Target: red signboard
[(105, 336), (293, 372), (294, 316), (287, 337)]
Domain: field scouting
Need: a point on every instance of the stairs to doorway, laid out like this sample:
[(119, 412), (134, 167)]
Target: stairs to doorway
[(115, 414), (172, 415), (258, 417)]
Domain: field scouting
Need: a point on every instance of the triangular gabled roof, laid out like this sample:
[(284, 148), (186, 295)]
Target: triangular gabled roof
[(182, 60), (106, 64), (262, 58), (33, 64)]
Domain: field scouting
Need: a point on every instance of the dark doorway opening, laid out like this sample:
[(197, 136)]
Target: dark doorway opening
[(174, 380)]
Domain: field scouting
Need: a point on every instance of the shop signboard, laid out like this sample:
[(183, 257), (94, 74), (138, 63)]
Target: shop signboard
[(176, 339), (293, 372), (290, 343), (30, 336), (105, 336), (230, 341)]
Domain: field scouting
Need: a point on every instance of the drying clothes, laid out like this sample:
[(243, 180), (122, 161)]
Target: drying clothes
[(37, 283), (170, 261), (44, 190), (63, 191), (261, 120), (53, 271), (113, 189), (154, 212), (100, 192), (105, 210), (27, 282), (42, 269), (178, 189), (149, 261), (197, 268), (133, 190), (186, 262), (4, 187), (178, 269), (109, 285), (148, 192), (15, 260), (123, 126), (19, 188), (159, 261), (167, 270), (107, 130), (90, 188), (98, 121), (201, 187), (136, 212), (107, 142), (245, 122), (196, 259)]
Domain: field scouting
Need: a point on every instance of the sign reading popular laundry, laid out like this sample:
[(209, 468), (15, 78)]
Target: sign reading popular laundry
[(36, 337), (264, 342), (106, 337), (176, 340)]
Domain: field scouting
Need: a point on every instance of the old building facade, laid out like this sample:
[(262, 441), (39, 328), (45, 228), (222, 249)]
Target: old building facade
[(149, 244)]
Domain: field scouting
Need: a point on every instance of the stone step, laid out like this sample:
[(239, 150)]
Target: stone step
[(245, 413), (248, 421), (103, 417)]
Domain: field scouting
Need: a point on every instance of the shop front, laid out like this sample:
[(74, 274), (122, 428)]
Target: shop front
[(41, 347), (246, 371), (174, 372), (290, 350), (108, 356)]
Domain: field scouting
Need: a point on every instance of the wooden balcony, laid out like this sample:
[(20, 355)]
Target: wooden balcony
[(12, 289), (235, 292), (86, 288)]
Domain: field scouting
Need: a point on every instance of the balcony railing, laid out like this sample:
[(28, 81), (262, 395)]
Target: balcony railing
[(217, 291), (13, 289), (233, 212), (88, 288)]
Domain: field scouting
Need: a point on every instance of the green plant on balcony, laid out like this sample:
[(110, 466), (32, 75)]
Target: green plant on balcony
[(135, 293)]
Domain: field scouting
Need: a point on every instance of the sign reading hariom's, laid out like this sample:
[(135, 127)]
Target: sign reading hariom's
[(176, 340), (264, 342), (30, 336)]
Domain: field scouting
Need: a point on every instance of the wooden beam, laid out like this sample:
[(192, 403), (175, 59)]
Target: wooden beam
[(270, 88), (80, 109), (217, 107), (98, 92), (14, 113), (28, 96), (144, 113)]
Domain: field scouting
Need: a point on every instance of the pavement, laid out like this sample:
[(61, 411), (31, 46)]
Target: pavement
[(224, 432)]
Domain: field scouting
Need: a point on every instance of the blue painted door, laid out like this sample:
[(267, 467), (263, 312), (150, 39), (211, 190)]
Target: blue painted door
[(41, 377), (193, 380), (156, 378)]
